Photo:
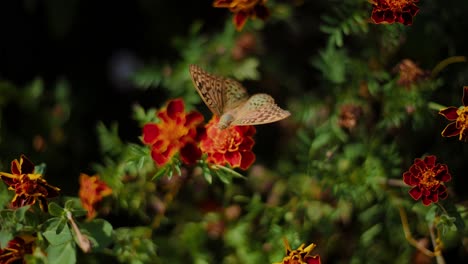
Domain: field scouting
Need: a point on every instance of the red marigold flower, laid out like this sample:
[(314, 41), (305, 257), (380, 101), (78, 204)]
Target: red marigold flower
[(428, 179), (460, 118), (244, 9), (390, 11), (16, 249), (232, 145), (177, 131), (300, 255), (92, 191), (28, 186)]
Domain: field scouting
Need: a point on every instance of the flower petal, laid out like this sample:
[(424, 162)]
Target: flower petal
[(175, 108), (430, 161), (233, 158), (239, 19), (193, 118), (26, 165), (150, 133), (450, 113), (190, 153), (465, 96), (415, 192), (450, 130), (248, 158)]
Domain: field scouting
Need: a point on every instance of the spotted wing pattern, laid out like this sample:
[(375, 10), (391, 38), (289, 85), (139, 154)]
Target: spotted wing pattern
[(259, 109), (210, 87), (234, 94)]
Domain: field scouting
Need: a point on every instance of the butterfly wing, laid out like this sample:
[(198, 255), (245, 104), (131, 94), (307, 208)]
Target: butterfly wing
[(234, 94), (259, 109), (210, 87)]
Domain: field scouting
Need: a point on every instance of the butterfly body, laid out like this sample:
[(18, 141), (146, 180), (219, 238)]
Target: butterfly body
[(229, 100)]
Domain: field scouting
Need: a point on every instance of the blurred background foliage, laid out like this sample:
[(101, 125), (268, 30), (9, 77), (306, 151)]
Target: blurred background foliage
[(78, 79)]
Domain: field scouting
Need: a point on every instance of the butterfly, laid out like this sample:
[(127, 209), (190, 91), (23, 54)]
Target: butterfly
[(229, 100)]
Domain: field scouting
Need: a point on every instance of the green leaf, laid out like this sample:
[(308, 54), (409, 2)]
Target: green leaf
[(55, 209), (40, 169), (100, 233), (62, 253), (5, 237), (452, 211), (54, 237), (20, 213), (223, 176), (61, 226), (207, 176)]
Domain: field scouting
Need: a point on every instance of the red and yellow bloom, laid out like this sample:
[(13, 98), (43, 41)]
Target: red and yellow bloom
[(300, 255), (391, 11), (177, 131), (244, 9), (460, 118), (28, 186), (428, 179), (92, 191), (232, 145), (16, 249)]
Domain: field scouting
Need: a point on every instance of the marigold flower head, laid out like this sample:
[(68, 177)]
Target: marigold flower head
[(409, 72), (232, 145), (244, 9), (390, 11), (459, 116), (300, 255), (428, 179), (349, 116), (28, 186), (176, 132), (16, 249), (92, 191)]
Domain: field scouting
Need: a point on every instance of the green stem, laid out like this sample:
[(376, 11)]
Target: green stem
[(444, 63), (435, 106)]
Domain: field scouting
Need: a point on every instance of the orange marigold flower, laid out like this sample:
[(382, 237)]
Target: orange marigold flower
[(390, 11), (428, 179), (92, 191), (244, 9), (28, 186), (460, 118), (177, 131), (300, 255), (16, 249), (232, 145)]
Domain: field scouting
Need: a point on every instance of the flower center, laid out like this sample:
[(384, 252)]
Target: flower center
[(462, 121), (227, 140), (429, 180), (174, 132), (397, 5)]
